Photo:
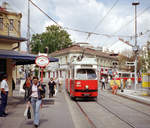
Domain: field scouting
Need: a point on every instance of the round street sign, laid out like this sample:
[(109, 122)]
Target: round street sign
[(42, 61)]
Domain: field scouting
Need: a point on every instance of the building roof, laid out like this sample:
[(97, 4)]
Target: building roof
[(21, 58), (79, 49), (5, 11)]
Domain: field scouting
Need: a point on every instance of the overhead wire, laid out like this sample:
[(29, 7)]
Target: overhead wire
[(44, 13), (77, 30), (142, 12), (100, 22), (87, 32), (133, 19)]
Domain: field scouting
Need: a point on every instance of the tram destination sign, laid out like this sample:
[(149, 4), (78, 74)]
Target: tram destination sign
[(42, 61)]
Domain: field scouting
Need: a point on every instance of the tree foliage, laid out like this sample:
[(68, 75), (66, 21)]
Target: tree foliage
[(146, 58), (126, 56), (54, 38)]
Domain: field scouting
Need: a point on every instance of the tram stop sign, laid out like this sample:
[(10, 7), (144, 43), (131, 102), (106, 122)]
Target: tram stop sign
[(42, 61)]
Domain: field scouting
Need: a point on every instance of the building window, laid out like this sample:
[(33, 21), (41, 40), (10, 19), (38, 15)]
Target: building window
[(18, 26), (1, 23), (66, 59), (11, 22)]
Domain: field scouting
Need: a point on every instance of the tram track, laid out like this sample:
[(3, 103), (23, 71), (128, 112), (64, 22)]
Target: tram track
[(104, 106), (127, 105), (86, 115), (108, 110), (127, 122)]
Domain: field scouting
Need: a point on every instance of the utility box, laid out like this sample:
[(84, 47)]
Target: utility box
[(146, 83), (146, 80)]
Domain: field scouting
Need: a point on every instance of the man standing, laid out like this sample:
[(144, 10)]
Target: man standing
[(4, 96)]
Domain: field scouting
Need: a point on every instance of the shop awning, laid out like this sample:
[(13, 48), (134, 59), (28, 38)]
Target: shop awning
[(21, 58)]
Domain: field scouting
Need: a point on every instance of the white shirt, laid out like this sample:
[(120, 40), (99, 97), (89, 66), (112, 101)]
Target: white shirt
[(4, 85), (103, 80), (34, 91)]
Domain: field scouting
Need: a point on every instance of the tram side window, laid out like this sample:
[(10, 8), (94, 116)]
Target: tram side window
[(81, 74), (91, 74), (126, 75)]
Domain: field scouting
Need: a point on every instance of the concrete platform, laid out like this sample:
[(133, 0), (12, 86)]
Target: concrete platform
[(54, 113), (135, 95)]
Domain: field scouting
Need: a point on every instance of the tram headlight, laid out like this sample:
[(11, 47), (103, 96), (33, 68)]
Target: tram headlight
[(86, 87), (78, 84)]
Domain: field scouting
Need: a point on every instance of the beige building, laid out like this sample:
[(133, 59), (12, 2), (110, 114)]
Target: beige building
[(105, 62), (9, 42)]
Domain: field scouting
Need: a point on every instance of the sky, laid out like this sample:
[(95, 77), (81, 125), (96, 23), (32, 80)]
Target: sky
[(98, 16)]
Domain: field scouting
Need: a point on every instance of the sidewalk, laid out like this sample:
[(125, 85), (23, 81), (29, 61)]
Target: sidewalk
[(54, 113), (136, 95)]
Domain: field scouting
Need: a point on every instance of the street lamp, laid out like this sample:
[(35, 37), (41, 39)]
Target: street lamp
[(135, 48)]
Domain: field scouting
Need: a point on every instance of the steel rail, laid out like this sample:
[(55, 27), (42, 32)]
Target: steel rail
[(85, 114), (127, 122), (127, 105)]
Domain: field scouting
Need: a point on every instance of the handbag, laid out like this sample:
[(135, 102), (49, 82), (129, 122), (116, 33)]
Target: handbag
[(29, 113), (25, 112)]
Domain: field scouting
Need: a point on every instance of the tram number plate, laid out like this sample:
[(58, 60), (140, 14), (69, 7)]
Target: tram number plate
[(86, 94)]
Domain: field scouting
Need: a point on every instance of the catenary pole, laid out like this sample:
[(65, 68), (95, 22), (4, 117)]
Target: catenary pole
[(28, 28), (135, 47)]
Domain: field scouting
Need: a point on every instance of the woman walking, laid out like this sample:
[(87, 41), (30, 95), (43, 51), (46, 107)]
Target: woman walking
[(52, 86), (26, 86), (35, 98)]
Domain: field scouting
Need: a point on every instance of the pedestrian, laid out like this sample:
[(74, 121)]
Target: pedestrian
[(13, 85), (103, 83), (35, 99), (4, 96), (60, 84), (121, 83), (52, 86), (26, 86)]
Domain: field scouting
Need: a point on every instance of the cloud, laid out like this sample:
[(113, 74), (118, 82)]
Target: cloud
[(85, 15)]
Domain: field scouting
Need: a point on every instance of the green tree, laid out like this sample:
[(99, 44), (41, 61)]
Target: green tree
[(55, 38)]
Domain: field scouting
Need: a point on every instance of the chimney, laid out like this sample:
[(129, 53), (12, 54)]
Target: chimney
[(5, 5)]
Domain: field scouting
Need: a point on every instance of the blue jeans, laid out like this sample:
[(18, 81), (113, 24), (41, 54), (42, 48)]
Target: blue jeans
[(3, 105), (36, 108)]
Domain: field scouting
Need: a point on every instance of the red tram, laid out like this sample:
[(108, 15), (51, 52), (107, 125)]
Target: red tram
[(82, 81), (126, 75)]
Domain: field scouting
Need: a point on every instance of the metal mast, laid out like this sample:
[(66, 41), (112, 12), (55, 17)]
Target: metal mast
[(28, 28), (135, 47)]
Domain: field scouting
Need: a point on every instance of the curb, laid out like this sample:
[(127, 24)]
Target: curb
[(135, 98)]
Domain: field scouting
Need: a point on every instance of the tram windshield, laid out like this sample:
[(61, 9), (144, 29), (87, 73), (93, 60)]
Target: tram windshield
[(84, 74)]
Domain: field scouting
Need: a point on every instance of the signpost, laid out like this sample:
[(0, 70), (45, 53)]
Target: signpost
[(42, 61), (130, 63)]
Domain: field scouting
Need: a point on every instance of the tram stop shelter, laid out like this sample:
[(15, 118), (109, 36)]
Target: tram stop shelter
[(20, 58), (10, 58)]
